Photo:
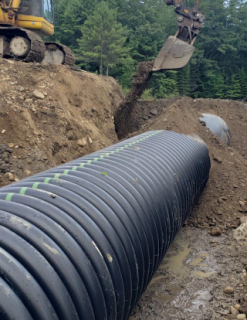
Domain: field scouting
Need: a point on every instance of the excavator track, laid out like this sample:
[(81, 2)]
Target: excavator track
[(69, 59), (37, 46)]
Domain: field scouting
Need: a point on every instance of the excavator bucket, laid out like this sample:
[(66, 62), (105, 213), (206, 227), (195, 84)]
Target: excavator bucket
[(175, 54)]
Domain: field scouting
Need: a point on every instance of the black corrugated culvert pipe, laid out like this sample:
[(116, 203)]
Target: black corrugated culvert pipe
[(217, 126), (83, 240)]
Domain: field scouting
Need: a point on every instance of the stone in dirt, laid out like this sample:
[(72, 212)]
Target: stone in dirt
[(228, 290), (241, 232), (243, 219), (215, 232), (234, 311), (241, 317), (39, 95), (10, 176), (217, 158), (81, 142), (154, 112)]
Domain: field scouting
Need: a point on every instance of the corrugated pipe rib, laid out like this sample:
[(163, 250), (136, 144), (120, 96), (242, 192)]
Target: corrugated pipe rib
[(83, 240), (217, 126)]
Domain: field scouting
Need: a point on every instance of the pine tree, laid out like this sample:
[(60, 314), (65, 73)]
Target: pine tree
[(234, 90), (103, 38), (164, 85), (243, 83), (183, 77)]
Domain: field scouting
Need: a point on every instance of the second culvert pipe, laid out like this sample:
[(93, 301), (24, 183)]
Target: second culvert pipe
[(83, 240)]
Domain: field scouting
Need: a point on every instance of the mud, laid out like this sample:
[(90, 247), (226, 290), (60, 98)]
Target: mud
[(190, 281), (139, 83)]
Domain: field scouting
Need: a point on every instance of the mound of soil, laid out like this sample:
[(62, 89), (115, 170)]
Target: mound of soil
[(50, 115), (221, 204)]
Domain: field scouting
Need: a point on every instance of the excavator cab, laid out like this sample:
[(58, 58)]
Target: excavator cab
[(178, 50)]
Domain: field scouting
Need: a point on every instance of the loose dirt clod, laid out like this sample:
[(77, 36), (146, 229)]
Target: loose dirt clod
[(139, 83)]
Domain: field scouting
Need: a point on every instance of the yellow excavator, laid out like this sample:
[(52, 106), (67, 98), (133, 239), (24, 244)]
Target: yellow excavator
[(21, 24), (23, 21)]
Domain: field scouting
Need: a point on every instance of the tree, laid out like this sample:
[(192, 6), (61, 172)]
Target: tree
[(103, 38), (142, 27)]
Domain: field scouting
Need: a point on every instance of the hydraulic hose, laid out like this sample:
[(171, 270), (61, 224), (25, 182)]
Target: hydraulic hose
[(83, 240)]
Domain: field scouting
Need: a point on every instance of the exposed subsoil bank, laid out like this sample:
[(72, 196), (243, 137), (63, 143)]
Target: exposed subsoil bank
[(50, 115)]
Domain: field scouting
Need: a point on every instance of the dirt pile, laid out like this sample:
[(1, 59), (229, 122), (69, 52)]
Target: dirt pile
[(140, 79), (223, 202), (50, 115)]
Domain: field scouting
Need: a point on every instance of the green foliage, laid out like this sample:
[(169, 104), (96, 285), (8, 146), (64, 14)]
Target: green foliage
[(147, 95), (103, 38), (164, 85), (115, 35)]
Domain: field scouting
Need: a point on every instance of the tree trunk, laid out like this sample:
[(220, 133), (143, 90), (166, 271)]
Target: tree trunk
[(101, 61), (107, 70)]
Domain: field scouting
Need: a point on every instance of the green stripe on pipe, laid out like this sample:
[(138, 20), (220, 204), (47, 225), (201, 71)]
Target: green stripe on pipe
[(9, 196)]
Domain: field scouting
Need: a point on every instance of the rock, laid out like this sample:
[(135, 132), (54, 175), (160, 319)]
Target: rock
[(228, 290), (28, 100), (11, 145), (234, 311), (28, 172), (241, 317), (37, 94), (237, 306), (10, 176), (243, 219), (217, 158), (90, 140), (216, 232), (154, 112), (21, 89), (243, 206), (241, 232), (3, 131), (82, 142)]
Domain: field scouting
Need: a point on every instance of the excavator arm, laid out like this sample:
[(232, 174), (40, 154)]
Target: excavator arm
[(178, 50)]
